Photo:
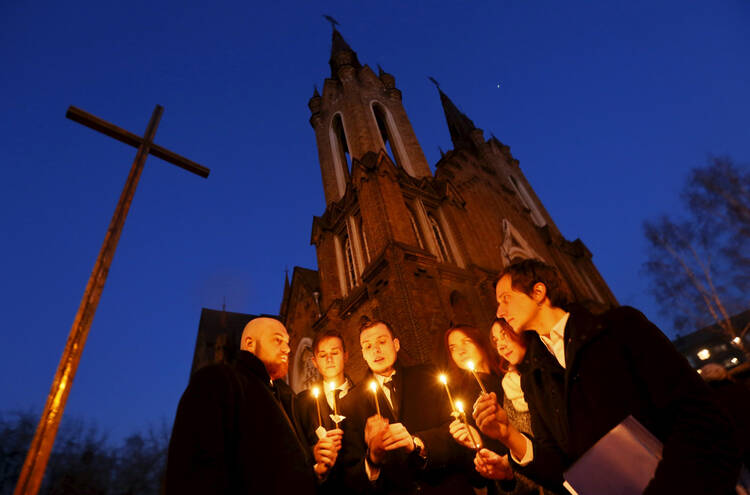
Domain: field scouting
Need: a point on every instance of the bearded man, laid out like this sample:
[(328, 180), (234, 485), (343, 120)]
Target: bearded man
[(235, 430)]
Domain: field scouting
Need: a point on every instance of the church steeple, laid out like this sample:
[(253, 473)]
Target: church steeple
[(460, 126), (341, 54)]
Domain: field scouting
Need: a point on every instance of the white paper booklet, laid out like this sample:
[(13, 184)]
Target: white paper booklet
[(622, 462)]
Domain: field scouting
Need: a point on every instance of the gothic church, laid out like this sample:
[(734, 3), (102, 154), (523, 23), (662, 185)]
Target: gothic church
[(399, 243)]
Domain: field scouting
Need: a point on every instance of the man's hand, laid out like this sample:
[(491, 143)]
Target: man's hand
[(461, 434), (326, 451), (490, 417), (398, 437), (375, 430), (493, 466)]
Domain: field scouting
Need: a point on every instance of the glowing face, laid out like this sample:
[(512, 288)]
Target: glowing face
[(517, 308), (379, 349), (272, 347), (463, 349), (330, 359), (509, 349)]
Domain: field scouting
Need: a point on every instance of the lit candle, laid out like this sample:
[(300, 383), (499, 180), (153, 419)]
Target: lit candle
[(374, 388), (444, 381), (470, 365), (332, 387), (460, 407), (316, 393)]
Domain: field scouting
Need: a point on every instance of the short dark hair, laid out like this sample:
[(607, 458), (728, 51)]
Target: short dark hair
[(367, 323), (327, 334), (525, 274)]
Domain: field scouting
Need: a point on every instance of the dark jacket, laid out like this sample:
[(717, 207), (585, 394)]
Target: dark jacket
[(232, 435), (424, 410), (618, 364), (307, 416)]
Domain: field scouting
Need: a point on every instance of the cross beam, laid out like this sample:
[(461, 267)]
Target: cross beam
[(41, 446)]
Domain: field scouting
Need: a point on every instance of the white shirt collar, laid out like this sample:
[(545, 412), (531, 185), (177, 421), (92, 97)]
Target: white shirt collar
[(555, 341)]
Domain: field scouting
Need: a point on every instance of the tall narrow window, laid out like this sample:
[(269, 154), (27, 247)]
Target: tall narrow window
[(526, 200), (415, 228), (351, 270), (439, 239), (342, 162), (385, 132), (366, 248)]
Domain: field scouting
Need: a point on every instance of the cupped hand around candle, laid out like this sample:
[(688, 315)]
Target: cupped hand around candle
[(375, 430), (460, 434), (493, 466), (326, 451), (490, 417), (398, 437)]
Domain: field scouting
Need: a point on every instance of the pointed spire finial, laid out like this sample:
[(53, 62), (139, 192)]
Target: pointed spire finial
[(333, 21), (315, 93), (380, 70), (437, 84)]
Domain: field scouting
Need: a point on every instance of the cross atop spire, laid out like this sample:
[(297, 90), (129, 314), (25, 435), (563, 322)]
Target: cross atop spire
[(341, 53), (333, 21)]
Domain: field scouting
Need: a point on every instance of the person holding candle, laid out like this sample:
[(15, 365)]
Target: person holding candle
[(235, 428), (315, 413), (584, 373), (406, 448), (511, 350)]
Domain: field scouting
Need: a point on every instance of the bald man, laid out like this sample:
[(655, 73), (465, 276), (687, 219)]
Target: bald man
[(235, 431)]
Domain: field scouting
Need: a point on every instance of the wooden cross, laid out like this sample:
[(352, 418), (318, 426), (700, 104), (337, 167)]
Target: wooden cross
[(41, 446)]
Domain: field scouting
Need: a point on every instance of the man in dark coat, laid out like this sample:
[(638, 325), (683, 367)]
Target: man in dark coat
[(235, 433), (316, 411), (584, 374), (407, 448)]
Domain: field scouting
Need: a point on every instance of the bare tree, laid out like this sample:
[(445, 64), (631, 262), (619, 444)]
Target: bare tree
[(699, 264)]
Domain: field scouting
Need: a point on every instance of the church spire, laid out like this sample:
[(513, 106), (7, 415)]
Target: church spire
[(342, 54), (459, 125)]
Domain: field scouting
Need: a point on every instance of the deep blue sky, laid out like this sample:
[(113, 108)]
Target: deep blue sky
[(607, 105)]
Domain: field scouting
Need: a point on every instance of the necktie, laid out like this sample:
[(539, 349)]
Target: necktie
[(394, 402)]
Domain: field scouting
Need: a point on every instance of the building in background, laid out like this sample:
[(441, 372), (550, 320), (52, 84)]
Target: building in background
[(712, 345)]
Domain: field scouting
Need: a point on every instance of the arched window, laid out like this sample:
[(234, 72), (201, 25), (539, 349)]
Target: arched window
[(437, 232), (390, 137), (342, 160), (415, 228), (526, 200)]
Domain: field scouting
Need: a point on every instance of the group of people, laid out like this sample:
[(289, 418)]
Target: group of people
[(545, 383)]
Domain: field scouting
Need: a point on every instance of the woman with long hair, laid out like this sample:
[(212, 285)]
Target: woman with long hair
[(510, 350)]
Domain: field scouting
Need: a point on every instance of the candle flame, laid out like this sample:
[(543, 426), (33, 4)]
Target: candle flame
[(443, 379), (373, 386), (460, 406), (470, 365), (315, 392)]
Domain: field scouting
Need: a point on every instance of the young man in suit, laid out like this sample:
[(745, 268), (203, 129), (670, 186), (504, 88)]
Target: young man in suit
[(329, 358), (584, 373), (408, 447), (235, 430)]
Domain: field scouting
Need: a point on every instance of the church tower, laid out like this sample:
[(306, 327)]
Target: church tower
[(396, 242)]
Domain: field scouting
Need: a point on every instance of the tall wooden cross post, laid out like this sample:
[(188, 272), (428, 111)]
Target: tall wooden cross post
[(41, 446)]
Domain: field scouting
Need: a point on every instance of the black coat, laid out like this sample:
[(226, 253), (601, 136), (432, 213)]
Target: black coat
[(618, 364), (307, 416), (424, 410), (232, 436)]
